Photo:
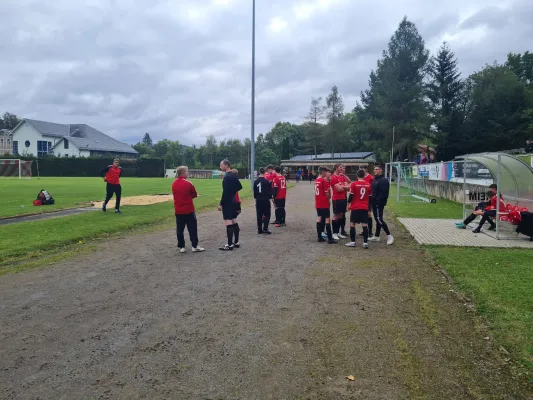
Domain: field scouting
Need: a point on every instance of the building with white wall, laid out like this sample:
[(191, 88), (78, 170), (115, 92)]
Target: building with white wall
[(40, 138), (6, 142)]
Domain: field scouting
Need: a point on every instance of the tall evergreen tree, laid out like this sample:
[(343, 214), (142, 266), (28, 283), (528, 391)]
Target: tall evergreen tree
[(396, 96), (335, 114), (314, 127), (147, 140), (445, 92)]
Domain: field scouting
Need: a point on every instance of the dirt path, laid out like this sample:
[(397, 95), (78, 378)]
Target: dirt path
[(283, 317)]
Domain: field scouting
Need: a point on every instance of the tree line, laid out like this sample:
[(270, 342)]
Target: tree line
[(423, 96)]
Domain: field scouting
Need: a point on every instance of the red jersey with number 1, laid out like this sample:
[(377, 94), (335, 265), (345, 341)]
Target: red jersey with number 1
[(360, 191), (338, 179), (281, 183), (321, 193)]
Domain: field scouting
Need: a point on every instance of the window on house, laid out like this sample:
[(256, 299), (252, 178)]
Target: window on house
[(66, 155), (2, 142), (65, 144), (15, 147), (8, 142), (43, 148), (27, 143)]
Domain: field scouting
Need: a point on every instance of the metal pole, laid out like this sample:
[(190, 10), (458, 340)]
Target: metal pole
[(399, 174), (464, 188), (498, 196), (252, 145)]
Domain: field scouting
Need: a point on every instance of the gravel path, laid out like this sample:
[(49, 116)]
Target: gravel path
[(283, 317)]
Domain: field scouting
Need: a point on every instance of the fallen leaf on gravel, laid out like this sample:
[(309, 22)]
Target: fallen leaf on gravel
[(350, 378), (486, 338)]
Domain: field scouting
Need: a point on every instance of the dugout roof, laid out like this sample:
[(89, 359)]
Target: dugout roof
[(516, 179)]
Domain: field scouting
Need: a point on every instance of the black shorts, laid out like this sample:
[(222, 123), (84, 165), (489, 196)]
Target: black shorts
[(323, 212), (359, 217), (279, 203), (339, 206), (229, 212)]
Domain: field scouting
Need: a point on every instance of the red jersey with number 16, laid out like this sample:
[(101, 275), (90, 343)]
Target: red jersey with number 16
[(281, 183), (360, 191), (321, 193)]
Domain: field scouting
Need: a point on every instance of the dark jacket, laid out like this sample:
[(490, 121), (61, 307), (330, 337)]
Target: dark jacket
[(380, 191), (230, 186)]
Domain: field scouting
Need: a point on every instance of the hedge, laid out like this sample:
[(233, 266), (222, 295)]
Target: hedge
[(92, 166)]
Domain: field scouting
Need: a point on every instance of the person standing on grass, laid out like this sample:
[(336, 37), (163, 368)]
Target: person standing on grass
[(184, 192), (228, 206), (380, 196), (111, 175)]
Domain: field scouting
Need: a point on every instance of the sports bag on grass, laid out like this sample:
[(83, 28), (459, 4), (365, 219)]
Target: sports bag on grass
[(45, 197)]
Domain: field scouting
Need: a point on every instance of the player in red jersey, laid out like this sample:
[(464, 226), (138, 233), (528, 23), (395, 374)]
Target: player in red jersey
[(340, 184), (369, 178), (270, 174), (279, 196), (358, 198), (322, 196)]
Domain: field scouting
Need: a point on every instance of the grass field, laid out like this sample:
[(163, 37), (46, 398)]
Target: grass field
[(500, 281), (409, 207), (27, 242), (76, 192)]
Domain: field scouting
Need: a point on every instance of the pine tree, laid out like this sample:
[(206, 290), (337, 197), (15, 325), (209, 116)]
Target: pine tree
[(396, 96), (335, 113), (314, 127), (147, 140), (445, 91)]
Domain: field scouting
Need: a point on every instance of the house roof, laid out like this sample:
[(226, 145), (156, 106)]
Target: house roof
[(83, 136), (329, 156)]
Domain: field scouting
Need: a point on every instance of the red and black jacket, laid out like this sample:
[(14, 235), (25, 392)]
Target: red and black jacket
[(112, 174)]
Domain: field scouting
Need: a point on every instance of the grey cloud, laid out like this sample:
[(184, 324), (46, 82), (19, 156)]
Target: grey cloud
[(133, 68)]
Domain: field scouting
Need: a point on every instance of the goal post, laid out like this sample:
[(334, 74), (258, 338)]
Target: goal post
[(15, 168)]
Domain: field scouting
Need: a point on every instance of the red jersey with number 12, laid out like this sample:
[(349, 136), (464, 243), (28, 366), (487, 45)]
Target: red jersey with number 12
[(321, 191), (361, 192), (281, 183)]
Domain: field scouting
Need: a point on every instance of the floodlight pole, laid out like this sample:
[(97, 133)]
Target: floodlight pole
[(252, 144)]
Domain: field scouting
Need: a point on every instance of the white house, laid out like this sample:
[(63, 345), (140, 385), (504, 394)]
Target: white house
[(6, 145), (40, 138)]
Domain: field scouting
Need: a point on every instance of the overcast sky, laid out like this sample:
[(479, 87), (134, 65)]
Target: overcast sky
[(181, 69)]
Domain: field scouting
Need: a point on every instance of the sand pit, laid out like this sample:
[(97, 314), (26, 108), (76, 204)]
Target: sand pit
[(136, 200)]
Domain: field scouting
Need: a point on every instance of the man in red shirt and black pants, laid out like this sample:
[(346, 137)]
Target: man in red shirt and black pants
[(279, 195), (111, 175), (184, 193)]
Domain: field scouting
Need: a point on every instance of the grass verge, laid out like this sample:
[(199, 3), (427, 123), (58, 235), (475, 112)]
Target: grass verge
[(24, 245), (499, 281)]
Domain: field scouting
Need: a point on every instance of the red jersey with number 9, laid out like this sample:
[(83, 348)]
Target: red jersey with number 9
[(321, 191), (361, 192), (281, 183)]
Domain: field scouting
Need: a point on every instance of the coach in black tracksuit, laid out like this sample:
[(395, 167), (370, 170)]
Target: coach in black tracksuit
[(262, 196), (380, 196)]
